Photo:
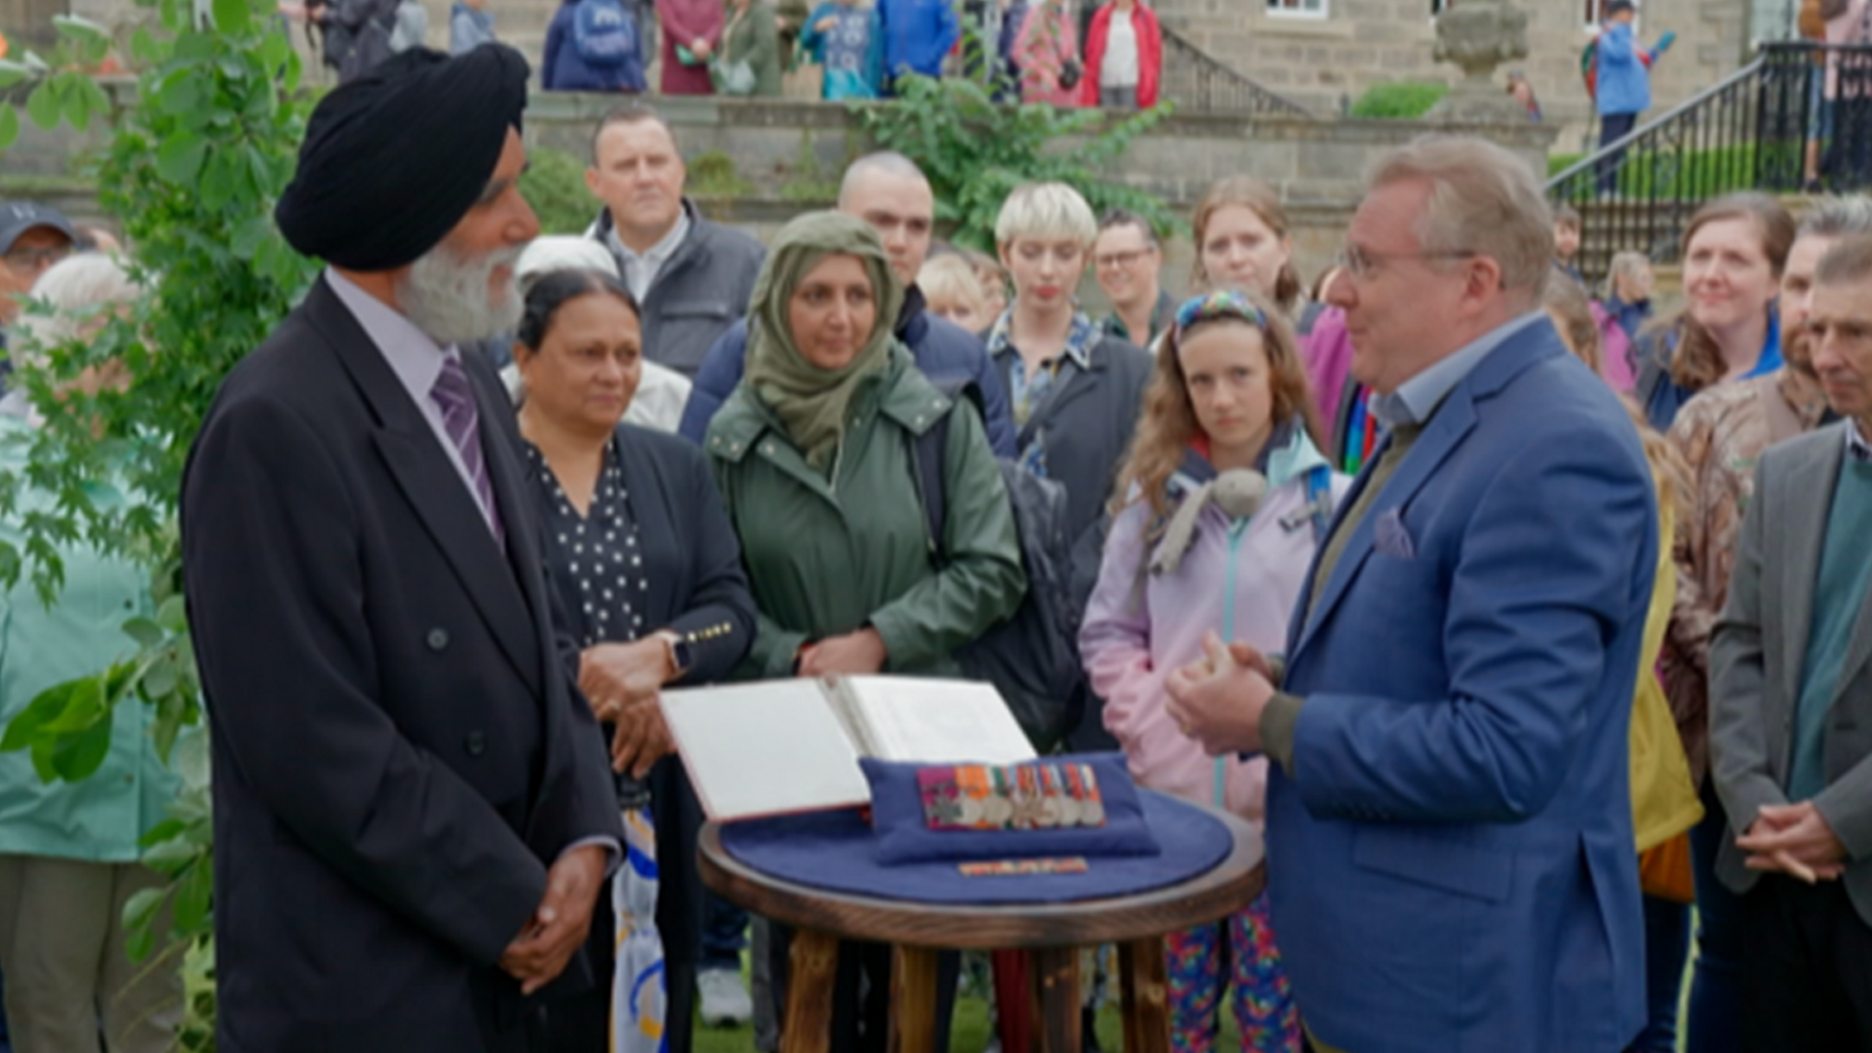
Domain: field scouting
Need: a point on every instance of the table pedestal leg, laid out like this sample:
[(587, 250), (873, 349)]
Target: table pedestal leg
[(1144, 987), (812, 971), (913, 1000), (1057, 998)]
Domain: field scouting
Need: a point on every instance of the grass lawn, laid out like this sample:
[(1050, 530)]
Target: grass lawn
[(969, 1034)]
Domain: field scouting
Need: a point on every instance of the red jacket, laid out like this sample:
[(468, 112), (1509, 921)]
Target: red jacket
[(1150, 53)]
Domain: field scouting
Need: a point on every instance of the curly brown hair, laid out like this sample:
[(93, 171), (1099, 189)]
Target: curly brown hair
[(1168, 424)]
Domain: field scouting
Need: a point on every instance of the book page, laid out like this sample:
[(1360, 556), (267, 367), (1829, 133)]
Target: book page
[(921, 719), (768, 748)]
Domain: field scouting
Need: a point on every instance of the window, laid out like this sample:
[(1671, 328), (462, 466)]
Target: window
[(1297, 8)]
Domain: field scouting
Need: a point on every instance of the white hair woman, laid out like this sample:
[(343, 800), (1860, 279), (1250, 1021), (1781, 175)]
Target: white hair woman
[(1075, 391), (661, 391)]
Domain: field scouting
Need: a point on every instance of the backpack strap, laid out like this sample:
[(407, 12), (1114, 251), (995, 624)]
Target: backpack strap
[(927, 452)]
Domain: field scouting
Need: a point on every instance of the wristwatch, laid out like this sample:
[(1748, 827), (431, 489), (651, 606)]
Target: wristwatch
[(681, 654)]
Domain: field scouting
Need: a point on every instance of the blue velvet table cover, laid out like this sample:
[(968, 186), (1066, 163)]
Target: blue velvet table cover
[(837, 852)]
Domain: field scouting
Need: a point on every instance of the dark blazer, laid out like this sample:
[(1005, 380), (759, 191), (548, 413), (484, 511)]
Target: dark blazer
[(697, 587), (399, 753), (1085, 425), (1758, 654)]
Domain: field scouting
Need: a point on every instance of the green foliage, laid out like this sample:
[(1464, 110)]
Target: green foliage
[(975, 151), (193, 167), (713, 174), (554, 184), (1687, 175), (809, 183), (1399, 100)]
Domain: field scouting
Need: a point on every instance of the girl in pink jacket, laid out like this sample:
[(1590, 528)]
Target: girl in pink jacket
[(1225, 497)]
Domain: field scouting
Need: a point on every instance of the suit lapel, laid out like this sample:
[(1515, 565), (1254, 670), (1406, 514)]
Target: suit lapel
[(1808, 498), (511, 483), (430, 483), (1449, 425), (1446, 430)]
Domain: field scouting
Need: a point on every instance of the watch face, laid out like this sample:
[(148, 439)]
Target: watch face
[(682, 652)]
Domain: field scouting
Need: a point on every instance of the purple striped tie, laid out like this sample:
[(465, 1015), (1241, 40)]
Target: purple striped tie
[(459, 418)]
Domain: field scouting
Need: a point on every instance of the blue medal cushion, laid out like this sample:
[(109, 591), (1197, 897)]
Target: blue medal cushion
[(1071, 805)]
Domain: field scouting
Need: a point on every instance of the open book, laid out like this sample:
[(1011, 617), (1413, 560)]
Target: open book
[(780, 746)]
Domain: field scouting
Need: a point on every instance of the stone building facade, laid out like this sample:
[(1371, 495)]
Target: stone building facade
[(1325, 53)]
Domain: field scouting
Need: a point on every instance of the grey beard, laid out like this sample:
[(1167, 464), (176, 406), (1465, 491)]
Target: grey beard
[(446, 296)]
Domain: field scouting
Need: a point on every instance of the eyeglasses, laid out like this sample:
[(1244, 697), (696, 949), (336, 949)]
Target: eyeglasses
[(31, 259), (1119, 259), (1360, 264)]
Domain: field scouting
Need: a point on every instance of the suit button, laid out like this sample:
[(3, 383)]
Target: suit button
[(475, 743), (437, 639)]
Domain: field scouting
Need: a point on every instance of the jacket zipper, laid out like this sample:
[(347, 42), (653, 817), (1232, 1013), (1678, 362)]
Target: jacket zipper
[(1237, 530)]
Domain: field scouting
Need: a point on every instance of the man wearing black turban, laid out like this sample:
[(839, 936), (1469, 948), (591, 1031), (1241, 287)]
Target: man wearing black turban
[(413, 812)]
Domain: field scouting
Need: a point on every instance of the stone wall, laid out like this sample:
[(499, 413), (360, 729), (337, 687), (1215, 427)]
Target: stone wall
[(1323, 62), (1317, 165), (787, 149)]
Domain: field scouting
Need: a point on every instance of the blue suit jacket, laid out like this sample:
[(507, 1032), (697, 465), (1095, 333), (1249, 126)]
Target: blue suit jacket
[(942, 350), (1451, 858)]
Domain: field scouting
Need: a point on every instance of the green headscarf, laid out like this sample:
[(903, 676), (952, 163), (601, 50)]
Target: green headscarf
[(810, 401)]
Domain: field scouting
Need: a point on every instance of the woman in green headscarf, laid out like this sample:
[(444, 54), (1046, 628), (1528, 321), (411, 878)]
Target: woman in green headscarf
[(813, 454)]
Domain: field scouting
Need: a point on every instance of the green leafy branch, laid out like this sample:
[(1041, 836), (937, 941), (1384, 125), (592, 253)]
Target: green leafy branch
[(195, 159), (64, 92), (976, 150)]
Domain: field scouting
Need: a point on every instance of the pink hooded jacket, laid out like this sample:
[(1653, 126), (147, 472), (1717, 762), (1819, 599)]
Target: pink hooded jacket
[(1238, 578)]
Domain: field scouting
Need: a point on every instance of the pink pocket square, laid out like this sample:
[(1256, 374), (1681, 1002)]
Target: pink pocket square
[(1391, 537)]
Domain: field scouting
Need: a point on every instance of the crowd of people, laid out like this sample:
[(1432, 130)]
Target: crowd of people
[(1107, 54), (1516, 618)]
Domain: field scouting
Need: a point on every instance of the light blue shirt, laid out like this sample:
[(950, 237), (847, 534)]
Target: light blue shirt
[(1416, 398), (99, 819), (417, 362)]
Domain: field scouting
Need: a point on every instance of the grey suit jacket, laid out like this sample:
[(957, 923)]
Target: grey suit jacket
[(1756, 656)]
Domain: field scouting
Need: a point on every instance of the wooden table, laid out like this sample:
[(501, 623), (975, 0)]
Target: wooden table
[(1054, 933)]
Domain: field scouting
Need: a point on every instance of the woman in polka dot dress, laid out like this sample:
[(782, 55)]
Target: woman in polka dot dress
[(648, 574)]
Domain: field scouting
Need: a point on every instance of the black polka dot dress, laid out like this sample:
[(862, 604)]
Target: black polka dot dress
[(596, 562), (596, 558)]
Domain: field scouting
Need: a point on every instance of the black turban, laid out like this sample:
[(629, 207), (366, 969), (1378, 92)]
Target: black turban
[(394, 159)]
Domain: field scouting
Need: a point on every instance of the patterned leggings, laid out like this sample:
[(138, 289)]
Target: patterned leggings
[(1238, 952)]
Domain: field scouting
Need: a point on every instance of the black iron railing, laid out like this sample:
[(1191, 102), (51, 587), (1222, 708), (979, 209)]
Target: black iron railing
[(1797, 118), (1198, 82)]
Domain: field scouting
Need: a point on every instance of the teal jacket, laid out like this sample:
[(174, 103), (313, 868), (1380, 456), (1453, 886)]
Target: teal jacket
[(99, 819), (827, 557)]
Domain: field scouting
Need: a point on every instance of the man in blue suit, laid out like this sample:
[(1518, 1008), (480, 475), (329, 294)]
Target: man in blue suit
[(1449, 824)]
